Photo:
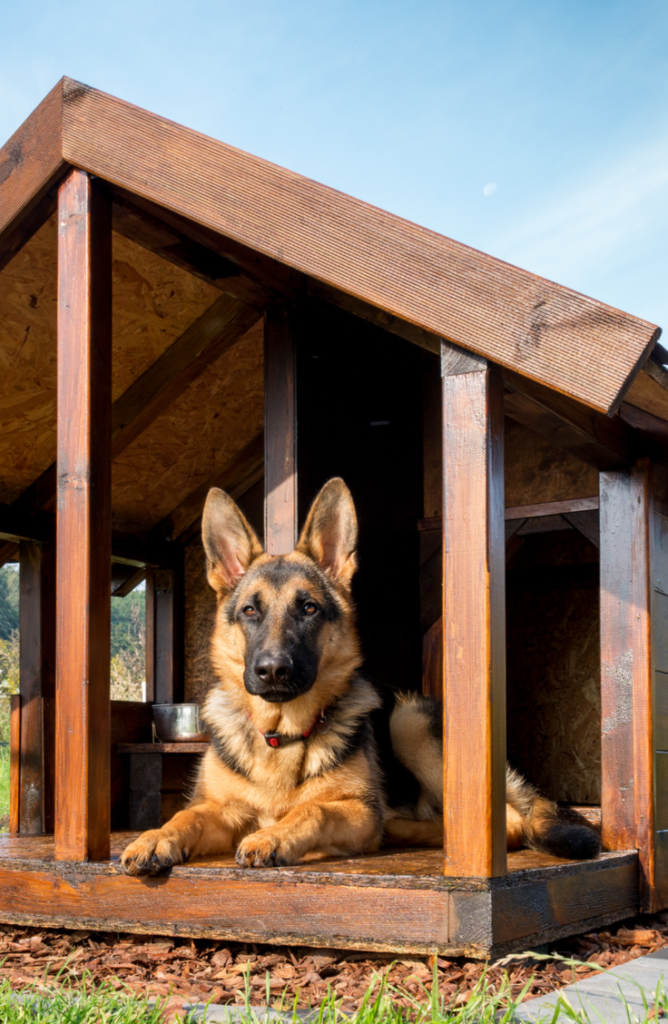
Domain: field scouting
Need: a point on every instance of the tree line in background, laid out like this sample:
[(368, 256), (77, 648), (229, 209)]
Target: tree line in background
[(128, 644)]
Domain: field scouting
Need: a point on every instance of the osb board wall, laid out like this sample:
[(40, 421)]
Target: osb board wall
[(537, 471), (200, 602), (154, 302), (215, 417), (553, 666)]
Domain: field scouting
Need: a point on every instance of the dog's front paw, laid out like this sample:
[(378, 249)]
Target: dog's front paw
[(262, 849), (152, 853)]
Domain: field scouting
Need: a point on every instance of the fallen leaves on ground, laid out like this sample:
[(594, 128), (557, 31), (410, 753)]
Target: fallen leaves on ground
[(201, 970)]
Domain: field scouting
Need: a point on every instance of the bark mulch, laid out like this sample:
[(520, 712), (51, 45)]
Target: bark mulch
[(201, 970)]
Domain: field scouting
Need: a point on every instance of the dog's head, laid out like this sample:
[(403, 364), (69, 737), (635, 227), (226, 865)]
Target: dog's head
[(285, 623)]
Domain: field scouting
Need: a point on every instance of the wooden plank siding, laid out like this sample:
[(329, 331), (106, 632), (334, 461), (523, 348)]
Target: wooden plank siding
[(319, 239), (84, 520), (474, 707)]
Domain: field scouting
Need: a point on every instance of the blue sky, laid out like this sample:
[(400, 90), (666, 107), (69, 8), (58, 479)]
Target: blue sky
[(419, 107)]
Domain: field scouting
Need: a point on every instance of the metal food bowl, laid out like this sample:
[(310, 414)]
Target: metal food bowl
[(178, 723)]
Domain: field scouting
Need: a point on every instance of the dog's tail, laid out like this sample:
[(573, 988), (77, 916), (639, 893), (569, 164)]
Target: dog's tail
[(544, 828), (416, 731)]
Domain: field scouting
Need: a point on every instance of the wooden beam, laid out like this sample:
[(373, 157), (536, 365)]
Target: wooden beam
[(236, 477), (219, 328), (626, 683), (201, 344), (37, 626), (129, 582), (9, 552), (29, 225), (84, 520), (587, 522), (31, 163), (543, 508), (280, 431), (164, 631), (15, 763), (126, 548), (653, 429), (601, 441), (510, 316), (473, 618), (173, 245), (261, 281)]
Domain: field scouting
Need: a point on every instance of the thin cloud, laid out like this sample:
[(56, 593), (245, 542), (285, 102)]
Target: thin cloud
[(602, 221)]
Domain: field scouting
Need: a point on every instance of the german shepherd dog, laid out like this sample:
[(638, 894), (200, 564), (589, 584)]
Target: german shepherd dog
[(306, 755)]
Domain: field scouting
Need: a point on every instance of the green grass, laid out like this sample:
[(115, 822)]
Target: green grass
[(82, 1003)]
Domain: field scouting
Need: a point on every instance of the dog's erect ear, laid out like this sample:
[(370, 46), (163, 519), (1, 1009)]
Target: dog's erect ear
[(329, 536), (229, 541)]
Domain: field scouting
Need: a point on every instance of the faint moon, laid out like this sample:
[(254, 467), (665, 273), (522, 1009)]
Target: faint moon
[(488, 189)]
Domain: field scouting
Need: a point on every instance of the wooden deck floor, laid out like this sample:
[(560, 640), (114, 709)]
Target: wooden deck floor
[(397, 900)]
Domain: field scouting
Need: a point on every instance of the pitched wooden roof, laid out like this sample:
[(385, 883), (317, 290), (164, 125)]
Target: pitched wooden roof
[(306, 238)]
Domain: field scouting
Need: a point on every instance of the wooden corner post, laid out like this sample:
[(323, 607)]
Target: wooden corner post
[(634, 671), (474, 641), (83, 520), (280, 431)]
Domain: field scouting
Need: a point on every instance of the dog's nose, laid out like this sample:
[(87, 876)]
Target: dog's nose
[(274, 668)]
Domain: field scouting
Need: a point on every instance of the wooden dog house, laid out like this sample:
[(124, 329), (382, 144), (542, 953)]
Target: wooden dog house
[(170, 310)]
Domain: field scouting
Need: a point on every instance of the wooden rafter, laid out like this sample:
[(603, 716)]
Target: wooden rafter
[(306, 233), (236, 477), (220, 326), (601, 441), (126, 548), (200, 253)]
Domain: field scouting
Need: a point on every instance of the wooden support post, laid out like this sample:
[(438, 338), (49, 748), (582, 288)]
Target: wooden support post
[(37, 656), (14, 763), (84, 520), (634, 671), (473, 617), (164, 631), (280, 431)]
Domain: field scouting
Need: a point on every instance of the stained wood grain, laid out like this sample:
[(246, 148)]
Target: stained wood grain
[(394, 901), (84, 520), (626, 678), (149, 231), (280, 433), (474, 622), (205, 341), (37, 615), (31, 162), (164, 632), (600, 441), (201, 344), (496, 310), (432, 660), (15, 763)]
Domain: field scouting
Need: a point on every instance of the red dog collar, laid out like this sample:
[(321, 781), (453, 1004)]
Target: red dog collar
[(280, 739)]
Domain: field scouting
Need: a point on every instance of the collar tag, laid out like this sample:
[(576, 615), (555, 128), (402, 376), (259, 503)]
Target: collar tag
[(272, 739)]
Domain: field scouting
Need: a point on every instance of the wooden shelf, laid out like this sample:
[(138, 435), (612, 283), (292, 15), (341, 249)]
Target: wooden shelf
[(199, 747)]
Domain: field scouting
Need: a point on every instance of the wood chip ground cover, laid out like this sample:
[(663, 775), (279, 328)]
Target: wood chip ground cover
[(219, 972)]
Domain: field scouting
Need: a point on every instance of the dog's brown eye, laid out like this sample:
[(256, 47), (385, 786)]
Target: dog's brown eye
[(310, 608), (249, 611)]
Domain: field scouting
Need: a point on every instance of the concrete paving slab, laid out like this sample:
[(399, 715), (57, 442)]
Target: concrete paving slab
[(620, 995)]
